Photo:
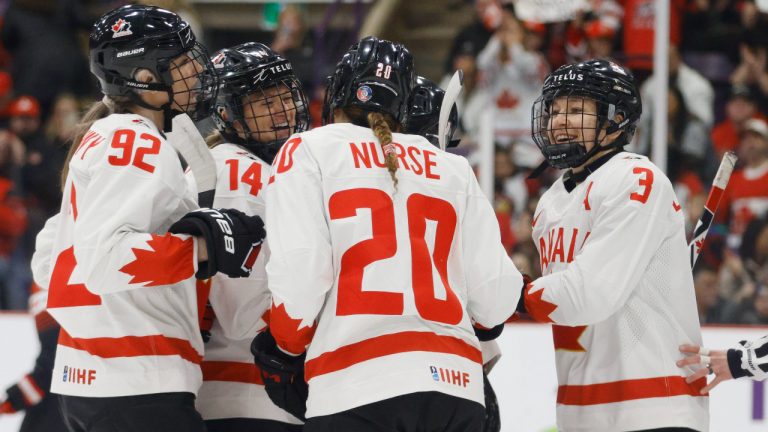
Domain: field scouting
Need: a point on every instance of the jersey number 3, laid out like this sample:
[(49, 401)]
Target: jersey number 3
[(352, 300), (646, 182)]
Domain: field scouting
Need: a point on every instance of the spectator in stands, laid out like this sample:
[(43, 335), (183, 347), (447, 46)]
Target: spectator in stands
[(294, 42), (42, 38), (696, 90), (744, 277), (638, 26), (746, 196), (740, 107), (512, 76), (6, 93), (594, 39), (472, 38), (709, 49), (13, 222), (706, 281)]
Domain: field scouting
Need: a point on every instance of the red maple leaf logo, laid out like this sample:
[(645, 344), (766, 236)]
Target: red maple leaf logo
[(118, 25), (676, 206), (567, 338), (507, 100), (699, 244), (538, 308), (169, 260), (288, 331)]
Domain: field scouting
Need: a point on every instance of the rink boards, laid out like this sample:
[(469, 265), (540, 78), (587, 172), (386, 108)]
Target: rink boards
[(524, 378)]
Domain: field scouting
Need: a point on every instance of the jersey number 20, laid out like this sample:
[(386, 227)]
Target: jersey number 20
[(352, 300)]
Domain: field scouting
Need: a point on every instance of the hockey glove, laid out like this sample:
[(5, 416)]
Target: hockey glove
[(487, 334), (15, 400), (283, 375), (233, 240), (521, 303)]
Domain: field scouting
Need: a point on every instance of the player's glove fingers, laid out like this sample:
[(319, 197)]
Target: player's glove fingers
[(690, 349)]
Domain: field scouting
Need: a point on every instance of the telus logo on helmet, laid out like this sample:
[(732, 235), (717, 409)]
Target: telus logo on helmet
[(570, 76), (120, 28)]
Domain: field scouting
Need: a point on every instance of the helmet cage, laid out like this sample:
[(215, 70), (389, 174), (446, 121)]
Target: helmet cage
[(253, 90), (611, 97)]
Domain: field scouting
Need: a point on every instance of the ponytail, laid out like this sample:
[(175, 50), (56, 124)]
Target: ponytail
[(97, 111), (381, 129)]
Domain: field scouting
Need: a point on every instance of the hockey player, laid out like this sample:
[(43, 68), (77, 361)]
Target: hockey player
[(383, 254), (616, 281), (259, 105), (121, 287)]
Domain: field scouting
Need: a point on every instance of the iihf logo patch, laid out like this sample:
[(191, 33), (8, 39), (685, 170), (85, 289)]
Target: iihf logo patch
[(364, 93), (65, 374), (432, 370), (120, 28)]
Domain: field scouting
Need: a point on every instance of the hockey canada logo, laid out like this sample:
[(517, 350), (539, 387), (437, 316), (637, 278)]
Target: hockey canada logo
[(120, 28), (364, 93)]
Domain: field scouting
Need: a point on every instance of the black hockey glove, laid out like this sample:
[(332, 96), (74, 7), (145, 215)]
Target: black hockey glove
[(488, 334), (233, 240), (521, 303), (283, 375), (492, 414)]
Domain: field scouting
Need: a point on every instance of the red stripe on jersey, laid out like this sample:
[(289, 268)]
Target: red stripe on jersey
[(395, 343), (133, 346), (168, 261), (714, 198), (247, 373), (73, 201), (620, 391)]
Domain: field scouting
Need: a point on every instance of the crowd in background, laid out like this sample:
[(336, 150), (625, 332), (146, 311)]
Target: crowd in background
[(716, 103)]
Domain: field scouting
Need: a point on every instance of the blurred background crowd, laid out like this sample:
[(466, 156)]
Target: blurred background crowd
[(717, 100)]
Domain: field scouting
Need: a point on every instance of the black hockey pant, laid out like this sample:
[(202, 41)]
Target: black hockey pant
[(415, 412), (159, 412), (249, 425)]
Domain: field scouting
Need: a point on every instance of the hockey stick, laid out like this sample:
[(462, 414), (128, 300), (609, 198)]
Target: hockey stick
[(186, 139), (710, 207), (451, 95)]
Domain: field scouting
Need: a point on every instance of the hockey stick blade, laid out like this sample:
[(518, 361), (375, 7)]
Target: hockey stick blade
[(451, 95), (186, 139), (710, 207)]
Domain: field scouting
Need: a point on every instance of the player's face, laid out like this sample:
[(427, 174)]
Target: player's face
[(270, 114), (185, 72), (573, 119)]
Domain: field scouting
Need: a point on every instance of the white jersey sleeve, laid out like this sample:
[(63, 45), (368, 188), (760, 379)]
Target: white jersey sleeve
[(41, 259), (117, 242), (750, 359), (633, 216), (494, 283), (300, 246)]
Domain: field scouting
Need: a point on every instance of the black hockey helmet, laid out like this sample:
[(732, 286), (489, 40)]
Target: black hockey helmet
[(424, 112), (615, 93), (136, 37), (375, 75), (258, 86)]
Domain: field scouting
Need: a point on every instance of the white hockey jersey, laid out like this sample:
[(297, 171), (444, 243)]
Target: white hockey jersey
[(617, 286), (232, 385), (122, 289), (385, 283)]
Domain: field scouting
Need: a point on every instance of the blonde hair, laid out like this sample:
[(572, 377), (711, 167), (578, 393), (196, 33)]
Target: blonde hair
[(97, 111), (380, 128), (214, 138)]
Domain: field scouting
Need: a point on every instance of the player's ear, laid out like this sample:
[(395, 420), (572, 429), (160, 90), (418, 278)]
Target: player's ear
[(145, 76)]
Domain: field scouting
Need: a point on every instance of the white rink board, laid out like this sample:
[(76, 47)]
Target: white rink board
[(524, 378), (20, 347), (526, 384)]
